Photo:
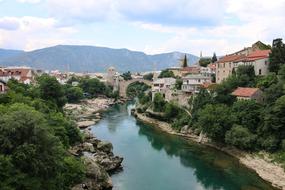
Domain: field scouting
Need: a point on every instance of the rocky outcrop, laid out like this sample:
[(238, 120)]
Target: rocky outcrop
[(99, 160)]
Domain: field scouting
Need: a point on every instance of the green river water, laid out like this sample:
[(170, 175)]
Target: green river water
[(154, 160)]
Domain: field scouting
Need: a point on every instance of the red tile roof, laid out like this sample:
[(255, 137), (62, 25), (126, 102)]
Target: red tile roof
[(230, 58), (245, 92), (191, 69), (259, 54)]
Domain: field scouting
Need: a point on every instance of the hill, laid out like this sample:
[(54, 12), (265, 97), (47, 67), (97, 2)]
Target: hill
[(91, 59)]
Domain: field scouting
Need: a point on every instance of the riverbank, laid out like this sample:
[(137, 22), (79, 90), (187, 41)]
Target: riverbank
[(97, 155), (264, 167)]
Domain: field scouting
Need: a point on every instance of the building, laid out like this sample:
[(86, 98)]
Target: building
[(259, 59), (195, 69), (225, 66), (243, 93), (228, 64), (162, 85), (22, 74), (192, 83), (3, 87)]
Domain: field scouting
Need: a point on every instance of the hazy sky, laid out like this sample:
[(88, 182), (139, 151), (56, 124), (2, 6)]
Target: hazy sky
[(152, 26)]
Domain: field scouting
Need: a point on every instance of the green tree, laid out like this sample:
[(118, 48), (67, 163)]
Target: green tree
[(136, 88), (73, 94), (32, 157), (158, 103), (246, 75), (127, 75), (148, 77), (277, 56), (214, 58), (241, 137), (184, 61), (51, 90), (215, 121), (178, 83), (266, 81), (166, 74), (247, 114), (205, 61)]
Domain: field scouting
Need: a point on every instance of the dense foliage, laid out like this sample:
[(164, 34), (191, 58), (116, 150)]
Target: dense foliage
[(148, 77), (127, 75), (137, 88), (205, 61), (166, 74), (34, 138)]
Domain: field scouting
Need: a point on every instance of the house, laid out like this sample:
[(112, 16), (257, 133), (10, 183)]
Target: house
[(3, 87), (195, 69), (162, 85), (225, 66), (192, 83), (253, 55), (259, 59), (243, 93), (22, 74)]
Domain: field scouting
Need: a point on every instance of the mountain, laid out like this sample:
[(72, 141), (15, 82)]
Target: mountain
[(93, 59), (7, 53)]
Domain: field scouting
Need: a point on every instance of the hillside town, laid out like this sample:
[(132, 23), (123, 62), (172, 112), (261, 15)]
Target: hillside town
[(193, 77), (189, 100)]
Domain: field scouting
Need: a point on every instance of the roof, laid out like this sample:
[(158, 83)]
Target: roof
[(258, 54), (191, 69), (212, 66), (230, 58), (165, 80), (245, 92), (199, 76)]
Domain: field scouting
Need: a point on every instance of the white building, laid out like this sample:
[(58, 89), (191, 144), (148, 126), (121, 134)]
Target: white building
[(162, 85), (192, 83)]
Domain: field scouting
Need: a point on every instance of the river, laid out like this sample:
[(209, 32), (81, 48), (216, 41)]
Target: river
[(154, 160)]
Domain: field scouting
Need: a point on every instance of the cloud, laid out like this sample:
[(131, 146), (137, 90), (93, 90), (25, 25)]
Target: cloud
[(7, 23), (179, 12), (33, 32)]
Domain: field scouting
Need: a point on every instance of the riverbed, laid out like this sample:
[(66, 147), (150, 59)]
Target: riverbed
[(154, 160)]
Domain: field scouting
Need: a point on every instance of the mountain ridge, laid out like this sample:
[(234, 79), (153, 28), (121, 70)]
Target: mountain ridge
[(84, 58)]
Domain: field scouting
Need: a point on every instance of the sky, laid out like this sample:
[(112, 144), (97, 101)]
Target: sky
[(151, 26)]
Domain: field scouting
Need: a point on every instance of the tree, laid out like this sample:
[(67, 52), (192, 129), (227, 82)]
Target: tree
[(214, 58), (127, 75), (171, 110), (266, 81), (205, 61), (166, 74), (241, 137), (277, 56), (93, 86), (51, 90), (178, 83), (148, 76), (247, 113), (73, 94), (158, 103), (136, 88), (184, 61), (215, 121), (30, 156), (281, 73), (246, 75)]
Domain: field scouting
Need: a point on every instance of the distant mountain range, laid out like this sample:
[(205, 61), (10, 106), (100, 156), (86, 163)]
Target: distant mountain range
[(91, 59)]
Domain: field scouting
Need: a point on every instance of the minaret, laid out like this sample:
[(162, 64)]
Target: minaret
[(201, 55)]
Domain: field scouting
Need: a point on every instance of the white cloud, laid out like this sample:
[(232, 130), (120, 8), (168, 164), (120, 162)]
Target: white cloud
[(8, 23), (33, 33)]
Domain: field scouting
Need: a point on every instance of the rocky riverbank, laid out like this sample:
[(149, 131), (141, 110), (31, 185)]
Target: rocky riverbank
[(263, 166), (99, 160), (88, 112), (97, 155)]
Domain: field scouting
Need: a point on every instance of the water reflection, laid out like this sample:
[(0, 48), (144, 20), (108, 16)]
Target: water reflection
[(154, 160), (213, 170)]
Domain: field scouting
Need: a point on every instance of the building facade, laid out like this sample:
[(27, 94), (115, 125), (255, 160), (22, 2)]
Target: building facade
[(192, 83), (162, 85)]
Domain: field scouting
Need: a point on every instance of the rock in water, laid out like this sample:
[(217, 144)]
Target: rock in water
[(105, 146)]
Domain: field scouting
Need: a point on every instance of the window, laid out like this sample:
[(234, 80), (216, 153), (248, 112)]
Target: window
[(199, 80), (259, 72)]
